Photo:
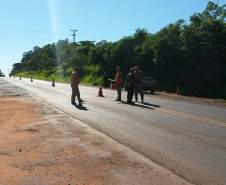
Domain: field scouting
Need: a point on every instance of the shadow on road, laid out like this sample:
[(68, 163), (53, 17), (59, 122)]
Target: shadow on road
[(149, 93), (152, 105), (138, 105), (81, 107)]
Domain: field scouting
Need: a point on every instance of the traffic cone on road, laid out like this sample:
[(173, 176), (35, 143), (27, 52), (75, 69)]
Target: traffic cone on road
[(53, 83), (100, 93)]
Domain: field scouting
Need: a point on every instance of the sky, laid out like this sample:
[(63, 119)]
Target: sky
[(28, 23)]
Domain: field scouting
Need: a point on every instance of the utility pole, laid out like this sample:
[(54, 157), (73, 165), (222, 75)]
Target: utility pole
[(74, 34)]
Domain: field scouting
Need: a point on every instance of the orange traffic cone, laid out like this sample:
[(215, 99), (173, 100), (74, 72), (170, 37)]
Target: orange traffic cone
[(100, 93), (178, 90), (53, 83)]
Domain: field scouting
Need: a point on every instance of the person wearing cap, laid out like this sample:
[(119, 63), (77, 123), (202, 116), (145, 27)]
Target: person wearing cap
[(138, 85), (118, 81), (130, 79), (74, 86)]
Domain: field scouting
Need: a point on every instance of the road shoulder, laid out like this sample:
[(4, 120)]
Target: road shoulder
[(42, 145)]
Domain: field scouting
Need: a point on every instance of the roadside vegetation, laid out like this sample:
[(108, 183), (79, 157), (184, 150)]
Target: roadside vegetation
[(191, 55)]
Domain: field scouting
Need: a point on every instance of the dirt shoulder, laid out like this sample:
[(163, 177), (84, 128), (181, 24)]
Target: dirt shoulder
[(40, 145)]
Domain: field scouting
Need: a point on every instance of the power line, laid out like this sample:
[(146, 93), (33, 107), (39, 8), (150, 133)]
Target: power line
[(74, 34)]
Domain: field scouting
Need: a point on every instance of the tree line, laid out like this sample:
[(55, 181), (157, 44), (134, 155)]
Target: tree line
[(190, 55)]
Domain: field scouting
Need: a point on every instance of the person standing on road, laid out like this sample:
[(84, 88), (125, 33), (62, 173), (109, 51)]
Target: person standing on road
[(118, 81), (130, 79), (74, 86), (138, 85)]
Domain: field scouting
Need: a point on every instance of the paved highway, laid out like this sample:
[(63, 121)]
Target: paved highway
[(188, 138)]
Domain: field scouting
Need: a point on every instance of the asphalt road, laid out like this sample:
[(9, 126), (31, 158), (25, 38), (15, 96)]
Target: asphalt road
[(188, 138)]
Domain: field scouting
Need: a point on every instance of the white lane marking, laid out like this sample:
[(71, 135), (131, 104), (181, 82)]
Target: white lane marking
[(185, 115)]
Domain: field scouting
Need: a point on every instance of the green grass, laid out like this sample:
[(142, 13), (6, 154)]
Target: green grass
[(92, 80), (89, 75), (44, 76)]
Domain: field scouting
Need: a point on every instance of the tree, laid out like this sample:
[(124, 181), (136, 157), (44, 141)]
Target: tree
[(190, 55)]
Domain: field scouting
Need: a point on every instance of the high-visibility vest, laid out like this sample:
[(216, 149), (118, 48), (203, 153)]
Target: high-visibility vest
[(118, 78)]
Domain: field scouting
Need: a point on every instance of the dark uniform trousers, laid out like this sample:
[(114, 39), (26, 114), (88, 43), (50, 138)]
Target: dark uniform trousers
[(119, 92), (75, 92), (139, 89), (130, 93)]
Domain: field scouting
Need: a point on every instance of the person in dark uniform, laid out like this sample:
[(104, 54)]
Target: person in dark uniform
[(130, 79), (138, 85), (74, 86)]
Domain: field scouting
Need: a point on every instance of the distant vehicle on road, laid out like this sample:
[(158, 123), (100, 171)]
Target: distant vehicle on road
[(149, 84), (1, 74)]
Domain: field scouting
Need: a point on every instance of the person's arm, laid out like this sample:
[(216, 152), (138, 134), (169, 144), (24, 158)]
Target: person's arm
[(78, 79), (71, 77)]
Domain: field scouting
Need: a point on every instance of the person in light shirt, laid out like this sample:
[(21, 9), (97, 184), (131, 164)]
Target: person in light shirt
[(118, 81)]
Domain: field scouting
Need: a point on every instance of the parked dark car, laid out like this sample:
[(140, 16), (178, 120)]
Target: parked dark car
[(149, 84), (2, 75)]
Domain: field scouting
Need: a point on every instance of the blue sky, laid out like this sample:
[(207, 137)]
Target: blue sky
[(27, 23)]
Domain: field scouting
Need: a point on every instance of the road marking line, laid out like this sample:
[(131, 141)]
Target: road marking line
[(206, 120)]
